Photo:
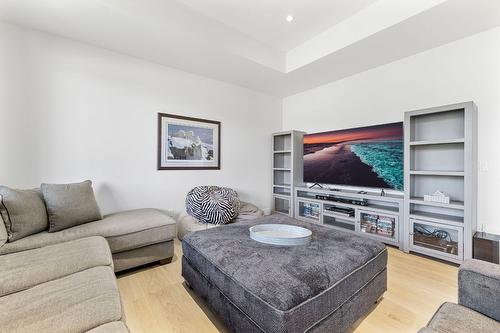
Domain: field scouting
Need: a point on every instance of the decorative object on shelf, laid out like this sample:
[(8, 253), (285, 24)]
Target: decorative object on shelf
[(188, 143), (437, 196), (382, 193), (280, 234)]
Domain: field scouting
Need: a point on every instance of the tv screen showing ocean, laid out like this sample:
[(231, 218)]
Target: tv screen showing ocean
[(366, 157), (385, 158)]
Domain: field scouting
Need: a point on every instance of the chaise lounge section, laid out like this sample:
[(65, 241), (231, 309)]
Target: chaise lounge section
[(135, 237), (66, 287)]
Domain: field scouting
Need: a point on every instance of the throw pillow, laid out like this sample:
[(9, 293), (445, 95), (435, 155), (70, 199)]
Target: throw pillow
[(23, 212), (3, 231), (213, 204), (69, 205)]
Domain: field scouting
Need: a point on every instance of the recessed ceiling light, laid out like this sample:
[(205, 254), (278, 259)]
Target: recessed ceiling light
[(289, 18)]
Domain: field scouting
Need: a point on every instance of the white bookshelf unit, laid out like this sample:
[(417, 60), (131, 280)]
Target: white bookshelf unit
[(287, 169), (380, 218), (441, 154)]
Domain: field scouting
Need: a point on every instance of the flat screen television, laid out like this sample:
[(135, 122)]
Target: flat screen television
[(369, 156)]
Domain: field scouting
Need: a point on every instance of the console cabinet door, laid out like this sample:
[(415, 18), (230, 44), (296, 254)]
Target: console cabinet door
[(380, 225), (436, 239), (309, 211)]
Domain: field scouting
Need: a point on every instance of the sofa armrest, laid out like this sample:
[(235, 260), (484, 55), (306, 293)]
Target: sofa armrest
[(479, 287)]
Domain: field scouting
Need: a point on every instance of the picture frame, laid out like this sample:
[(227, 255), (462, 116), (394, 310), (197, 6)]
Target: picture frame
[(187, 143)]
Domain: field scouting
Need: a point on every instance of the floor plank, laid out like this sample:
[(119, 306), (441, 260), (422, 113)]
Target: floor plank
[(156, 300)]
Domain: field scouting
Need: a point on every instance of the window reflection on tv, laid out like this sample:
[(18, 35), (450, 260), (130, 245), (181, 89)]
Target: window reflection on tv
[(364, 157)]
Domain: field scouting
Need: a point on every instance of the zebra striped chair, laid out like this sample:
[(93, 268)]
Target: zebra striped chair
[(211, 206)]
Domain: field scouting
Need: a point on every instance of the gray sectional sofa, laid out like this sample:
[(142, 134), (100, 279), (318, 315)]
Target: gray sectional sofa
[(478, 308), (61, 279), (135, 237)]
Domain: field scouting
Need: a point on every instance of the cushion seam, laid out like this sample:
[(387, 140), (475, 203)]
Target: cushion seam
[(465, 270), (55, 279), (143, 246), (138, 231)]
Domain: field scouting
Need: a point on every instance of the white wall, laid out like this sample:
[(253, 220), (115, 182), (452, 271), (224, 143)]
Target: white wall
[(468, 69), (70, 111)]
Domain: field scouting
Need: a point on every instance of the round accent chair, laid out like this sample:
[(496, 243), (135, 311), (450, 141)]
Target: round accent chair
[(212, 206)]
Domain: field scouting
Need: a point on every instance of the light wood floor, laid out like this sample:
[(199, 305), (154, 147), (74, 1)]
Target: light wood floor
[(156, 300)]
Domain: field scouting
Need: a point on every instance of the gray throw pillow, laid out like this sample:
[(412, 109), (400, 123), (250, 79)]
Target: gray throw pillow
[(69, 205), (23, 212), (3, 231)]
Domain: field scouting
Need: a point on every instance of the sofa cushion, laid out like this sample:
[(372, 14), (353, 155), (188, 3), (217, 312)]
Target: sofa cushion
[(124, 231), (26, 269), (114, 327), (75, 303), (188, 224), (23, 212), (454, 318), (69, 205)]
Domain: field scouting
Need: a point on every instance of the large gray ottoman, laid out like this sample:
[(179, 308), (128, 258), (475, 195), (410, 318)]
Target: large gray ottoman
[(325, 286)]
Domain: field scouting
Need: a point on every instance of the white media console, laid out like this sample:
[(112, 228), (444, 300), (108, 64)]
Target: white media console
[(379, 218)]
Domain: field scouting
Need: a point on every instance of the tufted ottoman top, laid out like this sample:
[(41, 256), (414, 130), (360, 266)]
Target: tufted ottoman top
[(279, 286)]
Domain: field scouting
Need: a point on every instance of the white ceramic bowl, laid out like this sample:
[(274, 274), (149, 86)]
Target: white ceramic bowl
[(280, 234)]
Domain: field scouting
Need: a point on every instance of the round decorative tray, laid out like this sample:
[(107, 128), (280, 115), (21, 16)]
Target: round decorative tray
[(280, 234)]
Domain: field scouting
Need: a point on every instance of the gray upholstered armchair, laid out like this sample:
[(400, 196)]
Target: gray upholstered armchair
[(478, 308)]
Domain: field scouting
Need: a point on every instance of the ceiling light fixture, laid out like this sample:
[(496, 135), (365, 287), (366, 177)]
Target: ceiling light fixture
[(289, 18)]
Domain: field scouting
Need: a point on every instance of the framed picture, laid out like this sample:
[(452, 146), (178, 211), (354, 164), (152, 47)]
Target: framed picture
[(188, 143)]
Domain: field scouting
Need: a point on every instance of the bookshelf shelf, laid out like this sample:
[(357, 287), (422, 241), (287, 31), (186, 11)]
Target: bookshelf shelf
[(436, 142), (437, 173), (438, 218), (340, 216), (452, 204), (286, 169)]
